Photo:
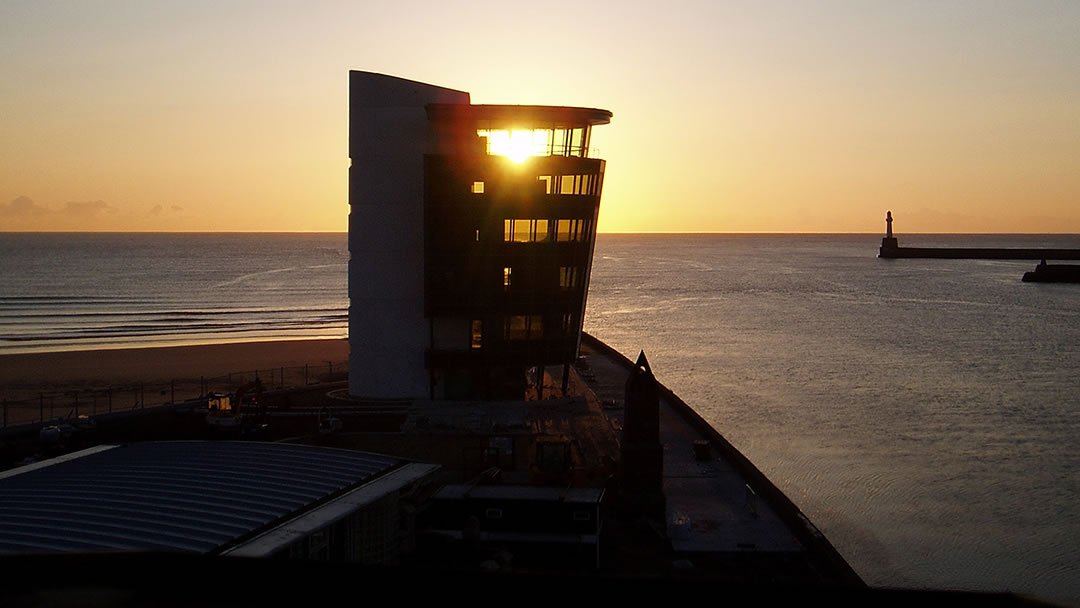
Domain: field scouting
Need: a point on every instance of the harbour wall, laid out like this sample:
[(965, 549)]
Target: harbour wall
[(978, 253), (806, 532)]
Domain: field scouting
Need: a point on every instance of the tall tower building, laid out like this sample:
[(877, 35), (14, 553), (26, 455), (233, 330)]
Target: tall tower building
[(471, 236)]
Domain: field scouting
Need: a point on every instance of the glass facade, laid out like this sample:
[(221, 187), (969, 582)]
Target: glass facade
[(546, 140), (510, 219)]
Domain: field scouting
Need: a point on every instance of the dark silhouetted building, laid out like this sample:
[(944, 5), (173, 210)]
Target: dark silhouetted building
[(471, 236)]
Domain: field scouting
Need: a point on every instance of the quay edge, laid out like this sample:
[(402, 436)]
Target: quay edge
[(818, 546)]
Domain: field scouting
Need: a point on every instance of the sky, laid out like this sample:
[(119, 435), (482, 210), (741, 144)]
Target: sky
[(765, 116)]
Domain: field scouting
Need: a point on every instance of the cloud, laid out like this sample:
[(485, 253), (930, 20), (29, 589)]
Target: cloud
[(158, 210), (25, 214), (87, 208), (23, 206)]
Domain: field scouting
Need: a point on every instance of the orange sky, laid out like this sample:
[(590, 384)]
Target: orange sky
[(959, 116)]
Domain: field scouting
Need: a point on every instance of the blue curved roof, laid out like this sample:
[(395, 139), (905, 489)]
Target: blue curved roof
[(190, 496)]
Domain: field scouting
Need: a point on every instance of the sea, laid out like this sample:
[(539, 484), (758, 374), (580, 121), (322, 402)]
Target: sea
[(924, 414), (78, 291)]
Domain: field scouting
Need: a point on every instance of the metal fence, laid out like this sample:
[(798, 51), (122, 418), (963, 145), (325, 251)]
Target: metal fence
[(24, 408)]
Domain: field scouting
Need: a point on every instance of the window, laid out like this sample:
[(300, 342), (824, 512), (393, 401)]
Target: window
[(477, 333), (546, 140), (478, 187), (569, 327), (576, 184), (516, 144), (571, 230), (558, 142), (569, 276), (563, 230), (522, 231), (525, 231), (524, 327), (507, 275), (569, 184), (570, 142), (516, 328)]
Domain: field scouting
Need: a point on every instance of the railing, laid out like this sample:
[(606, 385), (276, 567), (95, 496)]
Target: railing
[(545, 150), (25, 407)]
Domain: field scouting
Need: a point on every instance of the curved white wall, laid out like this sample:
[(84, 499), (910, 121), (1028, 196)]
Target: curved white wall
[(389, 134)]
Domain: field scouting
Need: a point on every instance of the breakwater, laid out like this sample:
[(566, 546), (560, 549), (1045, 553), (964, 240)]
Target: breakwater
[(892, 250)]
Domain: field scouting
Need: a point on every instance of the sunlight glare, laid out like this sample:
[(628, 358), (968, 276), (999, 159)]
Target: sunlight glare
[(515, 145)]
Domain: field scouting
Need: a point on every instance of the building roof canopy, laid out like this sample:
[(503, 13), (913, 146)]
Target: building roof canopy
[(518, 116), (191, 496)]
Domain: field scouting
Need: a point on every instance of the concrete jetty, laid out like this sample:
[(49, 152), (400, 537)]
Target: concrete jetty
[(979, 253), (721, 509)]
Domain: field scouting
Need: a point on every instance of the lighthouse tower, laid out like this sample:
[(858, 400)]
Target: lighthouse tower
[(888, 241)]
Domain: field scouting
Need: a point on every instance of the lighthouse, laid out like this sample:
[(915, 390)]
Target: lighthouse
[(888, 241)]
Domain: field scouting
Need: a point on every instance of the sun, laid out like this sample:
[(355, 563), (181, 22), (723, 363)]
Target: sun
[(515, 145)]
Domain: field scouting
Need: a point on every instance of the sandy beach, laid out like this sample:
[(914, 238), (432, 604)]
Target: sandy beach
[(173, 368)]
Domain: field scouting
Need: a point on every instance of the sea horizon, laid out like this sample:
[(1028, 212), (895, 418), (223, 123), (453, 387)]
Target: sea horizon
[(155, 332), (599, 233)]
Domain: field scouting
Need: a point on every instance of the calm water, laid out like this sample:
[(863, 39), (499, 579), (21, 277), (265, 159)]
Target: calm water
[(79, 291), (923, 413)]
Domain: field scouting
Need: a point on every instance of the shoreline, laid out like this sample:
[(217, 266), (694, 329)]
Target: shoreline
[(31, 373), (44, 348)]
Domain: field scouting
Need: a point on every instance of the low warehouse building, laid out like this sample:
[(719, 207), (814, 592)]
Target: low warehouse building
[(214, 498)]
